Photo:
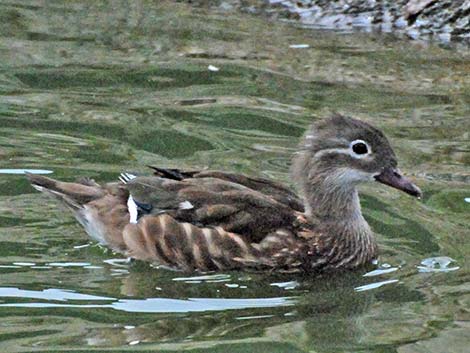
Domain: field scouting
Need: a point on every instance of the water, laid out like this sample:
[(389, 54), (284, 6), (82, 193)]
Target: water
[(94, 90)]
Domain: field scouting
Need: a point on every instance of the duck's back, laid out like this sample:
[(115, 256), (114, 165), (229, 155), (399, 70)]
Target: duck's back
[(246, 206), (191, 220)]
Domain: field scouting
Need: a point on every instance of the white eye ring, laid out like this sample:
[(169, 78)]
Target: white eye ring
[(356, 155)]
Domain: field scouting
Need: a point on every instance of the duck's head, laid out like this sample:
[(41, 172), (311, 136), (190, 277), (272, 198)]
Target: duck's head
[(341, 152)]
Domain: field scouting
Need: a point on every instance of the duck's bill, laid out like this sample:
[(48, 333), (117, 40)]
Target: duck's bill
[(394, 178)]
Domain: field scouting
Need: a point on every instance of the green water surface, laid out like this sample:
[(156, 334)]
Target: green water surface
[(97, 88)]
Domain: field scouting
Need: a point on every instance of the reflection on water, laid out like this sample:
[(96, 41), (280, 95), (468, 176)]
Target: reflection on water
[(147, 305), (47, 294), (382, 270), (437, 264), (96, 89), (24, 171), (374, 285)]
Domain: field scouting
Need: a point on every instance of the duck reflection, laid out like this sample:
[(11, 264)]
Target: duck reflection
[(313, 313)]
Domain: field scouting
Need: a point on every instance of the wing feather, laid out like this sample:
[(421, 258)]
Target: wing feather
[(215, 202)]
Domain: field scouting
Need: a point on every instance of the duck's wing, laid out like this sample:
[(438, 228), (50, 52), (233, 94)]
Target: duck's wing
[(275, 190), (208, 200)]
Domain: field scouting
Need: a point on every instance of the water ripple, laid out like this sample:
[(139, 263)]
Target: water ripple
[(437, 264), (147, 305)]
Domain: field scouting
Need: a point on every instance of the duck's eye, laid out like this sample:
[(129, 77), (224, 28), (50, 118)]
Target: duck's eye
[(360, 147)]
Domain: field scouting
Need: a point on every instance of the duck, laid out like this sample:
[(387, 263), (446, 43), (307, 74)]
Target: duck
[(207, 220)]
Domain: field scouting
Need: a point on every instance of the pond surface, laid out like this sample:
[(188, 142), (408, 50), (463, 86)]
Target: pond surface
[(94, 90)]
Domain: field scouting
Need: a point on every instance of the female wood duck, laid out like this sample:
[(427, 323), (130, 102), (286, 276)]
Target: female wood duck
[(211, 220)]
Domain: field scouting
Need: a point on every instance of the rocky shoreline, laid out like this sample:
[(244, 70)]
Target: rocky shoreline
[(445, 21), (442, 20)]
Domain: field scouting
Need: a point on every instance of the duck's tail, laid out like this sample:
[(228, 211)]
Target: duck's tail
[(73, 195), (101, 210)]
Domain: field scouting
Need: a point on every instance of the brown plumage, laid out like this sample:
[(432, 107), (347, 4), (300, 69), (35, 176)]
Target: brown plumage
[(211, 220)]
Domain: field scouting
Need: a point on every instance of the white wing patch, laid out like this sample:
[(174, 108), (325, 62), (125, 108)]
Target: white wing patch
[(185, 205), (132, 207), (126, 177)]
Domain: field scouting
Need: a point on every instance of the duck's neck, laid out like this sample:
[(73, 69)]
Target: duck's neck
[(325, 199), (335, 206)]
